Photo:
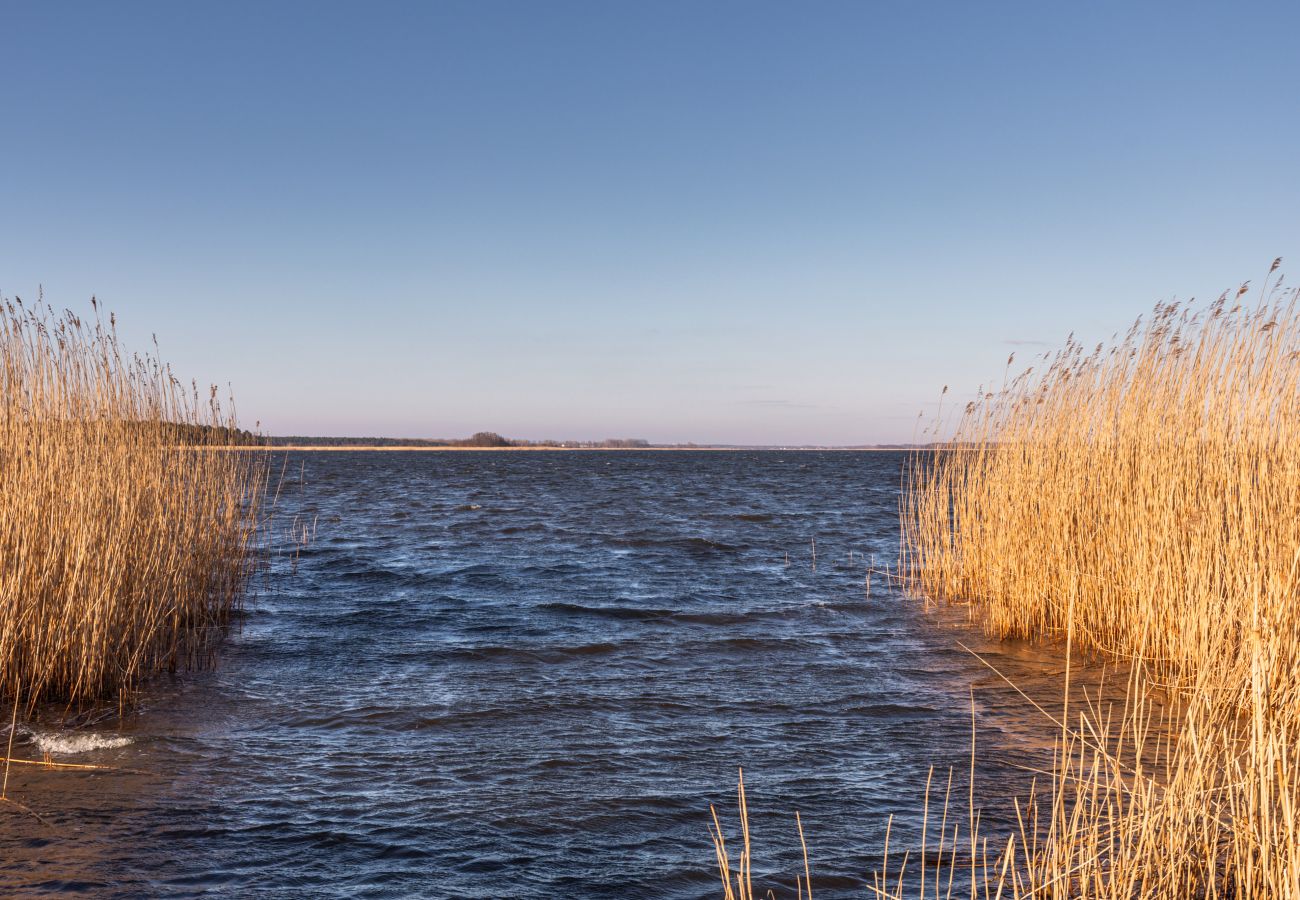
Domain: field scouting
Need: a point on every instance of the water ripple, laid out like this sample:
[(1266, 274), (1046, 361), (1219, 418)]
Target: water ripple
[(527, 675)]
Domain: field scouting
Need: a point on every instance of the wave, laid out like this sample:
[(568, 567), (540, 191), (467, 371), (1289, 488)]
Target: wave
[(652, 614), (532, 651), (694, 545), (728, 618), (757, 644), (474, 570), (520, 529), (608, 612), (376, 574), (66, 743), (554, 569)]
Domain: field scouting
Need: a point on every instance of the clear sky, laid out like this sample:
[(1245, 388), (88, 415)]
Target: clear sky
[(731, 222)]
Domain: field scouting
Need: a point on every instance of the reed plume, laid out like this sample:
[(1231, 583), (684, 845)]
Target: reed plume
[(126, 536)]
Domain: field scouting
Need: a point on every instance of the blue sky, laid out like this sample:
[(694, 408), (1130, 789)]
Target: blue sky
[(734, 222)]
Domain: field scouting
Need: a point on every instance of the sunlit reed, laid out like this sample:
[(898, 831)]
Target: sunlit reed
[(1142, 501), (126, 536), (1138, 502)]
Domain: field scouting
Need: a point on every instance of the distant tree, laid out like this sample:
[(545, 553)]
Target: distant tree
[(487, 439)]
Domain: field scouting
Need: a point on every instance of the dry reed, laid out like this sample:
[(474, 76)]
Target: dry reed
[(126, 538), (1139, 502)]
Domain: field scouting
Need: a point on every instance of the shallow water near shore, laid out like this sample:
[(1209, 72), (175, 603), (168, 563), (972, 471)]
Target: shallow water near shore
[(528, 675)]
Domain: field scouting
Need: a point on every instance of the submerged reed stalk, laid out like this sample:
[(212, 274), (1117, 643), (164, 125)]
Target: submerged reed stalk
[(125, 534)]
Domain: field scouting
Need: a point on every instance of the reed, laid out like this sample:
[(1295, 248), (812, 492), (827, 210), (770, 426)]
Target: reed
[(1144, 494), (126, 537), (1142, 500), (1138, 502)]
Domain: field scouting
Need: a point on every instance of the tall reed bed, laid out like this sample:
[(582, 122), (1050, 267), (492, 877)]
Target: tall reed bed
[(126, 535), (1139, 501), (1142, 501), (1145, 494)]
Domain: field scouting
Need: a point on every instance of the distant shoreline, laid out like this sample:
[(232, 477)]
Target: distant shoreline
[(416, 448)]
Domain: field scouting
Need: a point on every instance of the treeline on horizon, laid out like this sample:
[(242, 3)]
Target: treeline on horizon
[(483, 439), (185, 434), (165, 433), (490, 439)]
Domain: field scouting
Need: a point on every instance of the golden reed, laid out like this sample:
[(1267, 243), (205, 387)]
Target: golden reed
[(1139, 502), (126, 538)]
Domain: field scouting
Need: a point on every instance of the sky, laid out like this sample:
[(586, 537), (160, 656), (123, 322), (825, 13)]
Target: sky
[(758, 223)]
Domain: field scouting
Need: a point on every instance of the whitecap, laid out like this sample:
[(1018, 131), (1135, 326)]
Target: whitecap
[(69, 742)]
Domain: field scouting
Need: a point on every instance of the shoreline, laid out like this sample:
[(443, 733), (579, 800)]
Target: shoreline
[(415, 448)]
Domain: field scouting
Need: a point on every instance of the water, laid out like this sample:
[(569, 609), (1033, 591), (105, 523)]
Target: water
[(528, 675)]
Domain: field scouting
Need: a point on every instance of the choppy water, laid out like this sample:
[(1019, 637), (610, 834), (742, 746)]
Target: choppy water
[(528, 675)]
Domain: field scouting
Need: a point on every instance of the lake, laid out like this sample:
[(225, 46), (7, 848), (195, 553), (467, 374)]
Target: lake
[(528, 674)]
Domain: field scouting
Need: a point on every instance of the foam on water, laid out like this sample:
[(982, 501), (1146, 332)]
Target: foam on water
[(66, 743)]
